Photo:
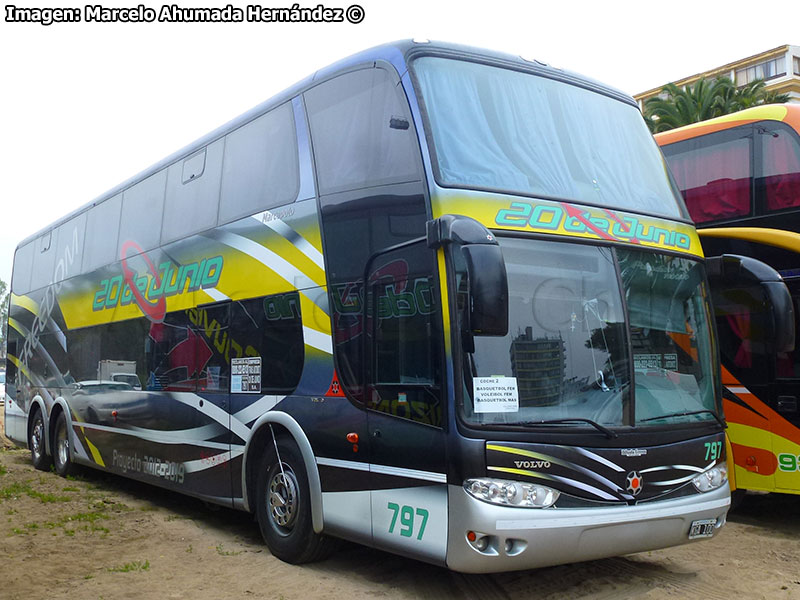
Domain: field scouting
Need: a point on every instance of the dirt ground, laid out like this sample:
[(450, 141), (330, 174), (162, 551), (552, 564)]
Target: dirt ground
[(105, 537)]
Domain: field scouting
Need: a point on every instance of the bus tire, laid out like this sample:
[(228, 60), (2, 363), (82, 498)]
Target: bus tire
[(36, 441), (283, 507), (61, 451)]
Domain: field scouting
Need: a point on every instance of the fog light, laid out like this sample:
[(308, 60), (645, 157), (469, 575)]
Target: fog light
[(511, 493), (711, 479)]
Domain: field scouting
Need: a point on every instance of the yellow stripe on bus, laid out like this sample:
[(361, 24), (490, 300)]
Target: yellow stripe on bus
[(443, 290), (754, 437), (788, 240), (770, 112), (95, 452), (25, 302), (19, 365), (18, 326), (519, 452)]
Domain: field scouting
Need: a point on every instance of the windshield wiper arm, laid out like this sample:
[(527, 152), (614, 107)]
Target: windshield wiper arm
[(686, 414), (605, 430)]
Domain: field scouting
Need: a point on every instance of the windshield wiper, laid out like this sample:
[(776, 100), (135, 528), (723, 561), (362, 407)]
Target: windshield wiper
[(686, 414), (605, 430)]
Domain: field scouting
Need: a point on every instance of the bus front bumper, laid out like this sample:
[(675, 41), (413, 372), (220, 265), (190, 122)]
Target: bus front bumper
[(509, 539)]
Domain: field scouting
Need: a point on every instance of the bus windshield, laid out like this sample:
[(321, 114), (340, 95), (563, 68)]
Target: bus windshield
[(515, 132), (567, 349)]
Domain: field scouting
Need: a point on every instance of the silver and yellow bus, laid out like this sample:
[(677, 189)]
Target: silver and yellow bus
[(439, 301)]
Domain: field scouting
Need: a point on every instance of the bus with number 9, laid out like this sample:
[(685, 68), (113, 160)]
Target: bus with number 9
[(740, 177)]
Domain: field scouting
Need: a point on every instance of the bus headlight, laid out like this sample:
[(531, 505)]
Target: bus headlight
[(711, 479), (511, 493)]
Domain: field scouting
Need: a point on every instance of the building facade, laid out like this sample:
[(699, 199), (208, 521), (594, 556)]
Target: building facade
[(779, 68)]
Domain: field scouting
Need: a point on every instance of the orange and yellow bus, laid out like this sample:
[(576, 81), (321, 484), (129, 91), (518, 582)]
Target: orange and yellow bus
[(740, 177)]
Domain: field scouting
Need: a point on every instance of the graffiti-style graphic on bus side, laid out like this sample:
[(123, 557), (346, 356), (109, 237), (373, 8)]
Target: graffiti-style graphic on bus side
[(149, 290)]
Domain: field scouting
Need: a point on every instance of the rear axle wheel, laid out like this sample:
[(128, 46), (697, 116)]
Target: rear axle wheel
[(36, 442)]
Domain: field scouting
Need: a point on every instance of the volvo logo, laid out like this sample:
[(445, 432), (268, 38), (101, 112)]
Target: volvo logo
[(635, 483), (532, 464)]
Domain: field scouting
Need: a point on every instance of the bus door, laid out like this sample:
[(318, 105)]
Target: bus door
[(405, 403), (785, 401)]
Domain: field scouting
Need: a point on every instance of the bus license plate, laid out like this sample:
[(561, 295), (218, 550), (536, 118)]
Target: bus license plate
[(702, 529)]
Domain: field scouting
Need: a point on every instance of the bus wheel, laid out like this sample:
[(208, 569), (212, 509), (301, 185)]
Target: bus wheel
[(283, 507), (61, 457), (39, 456)]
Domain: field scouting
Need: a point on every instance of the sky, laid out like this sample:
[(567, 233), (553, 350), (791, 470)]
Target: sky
[(85, 106)]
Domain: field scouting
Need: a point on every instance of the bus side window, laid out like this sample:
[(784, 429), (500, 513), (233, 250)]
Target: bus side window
[(44, 260), (100, 248), (69, 249), (260, 167), (174, 353), (404, 336), (191, 201), (779, 179), (23, 267), (713, 173), (142, 211), (360, 126), (212, 341), (270, 328)]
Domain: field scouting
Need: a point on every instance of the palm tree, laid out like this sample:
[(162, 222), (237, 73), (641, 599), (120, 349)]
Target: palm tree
[(705, 99), (755, 93)]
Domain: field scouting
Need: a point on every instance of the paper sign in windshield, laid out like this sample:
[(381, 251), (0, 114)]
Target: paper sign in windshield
[(656, 361), (495, 394), (246, 375)]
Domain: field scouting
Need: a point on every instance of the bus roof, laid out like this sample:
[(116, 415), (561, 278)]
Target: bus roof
[(397, 53), (787, 113)]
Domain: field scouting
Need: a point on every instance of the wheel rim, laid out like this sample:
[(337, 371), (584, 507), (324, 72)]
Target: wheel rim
[(62, 444), (37, 437), (282, 500)]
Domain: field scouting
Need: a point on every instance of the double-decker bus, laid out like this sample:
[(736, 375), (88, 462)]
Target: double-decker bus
[(439, 301), (740, 177)]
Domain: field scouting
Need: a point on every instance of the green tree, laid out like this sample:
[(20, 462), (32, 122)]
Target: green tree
[(706, 99), (681, 106), (754, 94)]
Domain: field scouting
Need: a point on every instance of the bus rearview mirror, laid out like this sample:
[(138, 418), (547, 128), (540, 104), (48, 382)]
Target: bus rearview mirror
[(488, 289), (731, 271), (780, 301)]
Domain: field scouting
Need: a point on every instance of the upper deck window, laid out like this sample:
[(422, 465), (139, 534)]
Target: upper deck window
[(713, 174), (779, 179), (360, 126), (516, 132), (721, 173)]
